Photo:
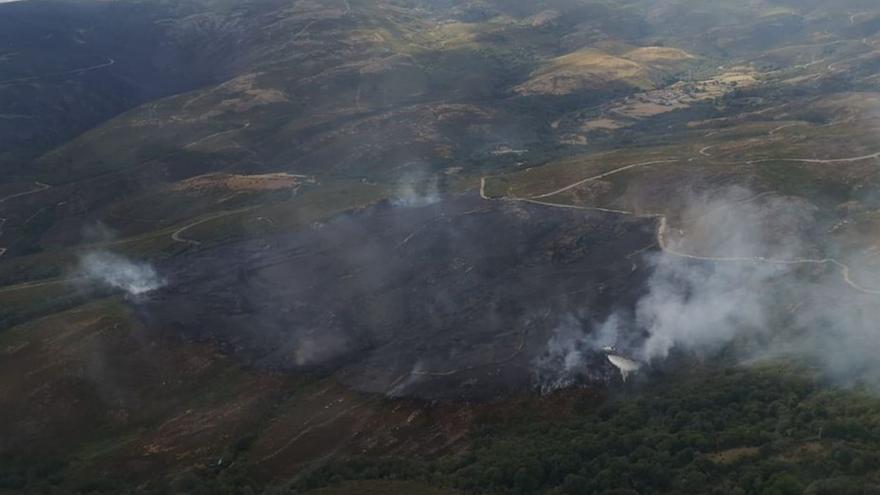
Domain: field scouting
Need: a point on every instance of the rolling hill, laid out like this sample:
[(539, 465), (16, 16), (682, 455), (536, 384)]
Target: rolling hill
[(386, 246)]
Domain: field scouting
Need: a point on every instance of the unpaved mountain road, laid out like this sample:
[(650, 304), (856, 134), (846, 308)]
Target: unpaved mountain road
[(663, 227), (176, 235), (40, 188), (784, 126), (40, 283), (817, 160), (73, 72), (601, 176)]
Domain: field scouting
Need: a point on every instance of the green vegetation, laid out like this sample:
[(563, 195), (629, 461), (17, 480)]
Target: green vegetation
[(772, 429), (767, 430)]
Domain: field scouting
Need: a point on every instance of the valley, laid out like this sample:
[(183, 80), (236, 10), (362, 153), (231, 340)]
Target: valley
[(391, 246)]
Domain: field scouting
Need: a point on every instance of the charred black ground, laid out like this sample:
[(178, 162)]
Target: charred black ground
[(456, 299)]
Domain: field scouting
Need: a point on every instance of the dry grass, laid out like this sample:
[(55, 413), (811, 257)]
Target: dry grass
[(591, 68), (733, 455), (582, 70), (658, 54), (237, 183), (603, 123), (803, 451)]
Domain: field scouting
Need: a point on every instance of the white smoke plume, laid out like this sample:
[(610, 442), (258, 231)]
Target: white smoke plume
[(700, 307), (716, 281), (749, 270), (417, 189), (702, 304), (400, 387), (569, 350), (118, 272)]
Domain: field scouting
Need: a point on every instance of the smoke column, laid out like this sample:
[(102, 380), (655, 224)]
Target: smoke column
[(113, 270)]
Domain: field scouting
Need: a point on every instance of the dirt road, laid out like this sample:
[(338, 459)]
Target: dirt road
[(73, 72), (662, 226), (601, 176), (176, 235), (817, 160), (31, 285), (40, 188)]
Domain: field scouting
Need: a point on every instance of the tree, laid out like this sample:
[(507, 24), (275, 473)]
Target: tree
[(575, 485), (783, 484)]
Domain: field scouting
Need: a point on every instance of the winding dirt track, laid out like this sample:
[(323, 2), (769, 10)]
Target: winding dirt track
[(600, 176), (817, 160), (39, 283), (176, 234), (216, 134), (74, 72), (784, 126), (662, 227), (40, 188)]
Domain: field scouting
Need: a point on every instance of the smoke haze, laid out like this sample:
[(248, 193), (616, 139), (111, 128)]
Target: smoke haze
[(570, 351), (118, 272), (417, 189), (741, 272), (747, 270)]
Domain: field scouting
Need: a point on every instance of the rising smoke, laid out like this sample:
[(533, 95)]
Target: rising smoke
[(118, 272), (700, 305), (748, 270), (569, 352), (417, 188)]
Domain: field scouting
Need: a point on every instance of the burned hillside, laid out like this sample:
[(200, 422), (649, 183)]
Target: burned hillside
[(456, 299)]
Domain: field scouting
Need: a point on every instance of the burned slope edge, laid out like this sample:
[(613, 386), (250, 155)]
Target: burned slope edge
[(457, 299)]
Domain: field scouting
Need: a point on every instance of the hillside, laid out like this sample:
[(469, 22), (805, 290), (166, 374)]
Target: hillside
[(402, 246)]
